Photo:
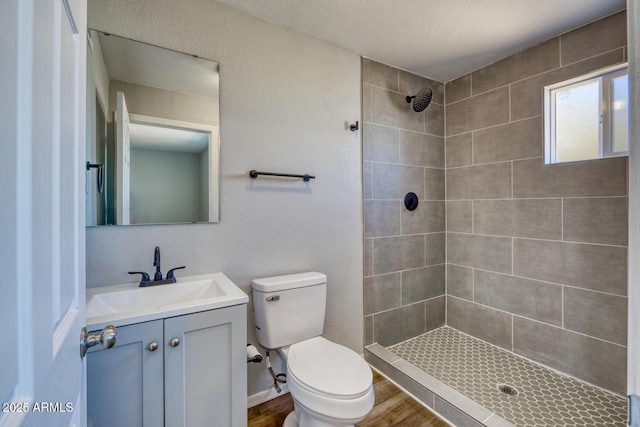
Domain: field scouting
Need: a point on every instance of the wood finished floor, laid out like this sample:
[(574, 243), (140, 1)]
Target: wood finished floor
[(393, 407)]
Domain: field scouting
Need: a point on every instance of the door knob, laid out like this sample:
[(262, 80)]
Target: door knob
[(174, 342), (107, 338), (153, 346)]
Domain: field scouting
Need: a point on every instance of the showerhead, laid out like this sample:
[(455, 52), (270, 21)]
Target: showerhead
[(421, 100)]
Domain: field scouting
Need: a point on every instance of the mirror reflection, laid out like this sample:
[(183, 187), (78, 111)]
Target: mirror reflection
[(153, 145)]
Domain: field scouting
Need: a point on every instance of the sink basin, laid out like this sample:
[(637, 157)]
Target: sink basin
[(126, 304)]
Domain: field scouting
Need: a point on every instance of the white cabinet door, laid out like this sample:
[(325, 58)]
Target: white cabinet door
[(124, 383), (42, 254), (206, 369)]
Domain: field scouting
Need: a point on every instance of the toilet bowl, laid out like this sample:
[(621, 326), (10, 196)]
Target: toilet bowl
[(330, 384)]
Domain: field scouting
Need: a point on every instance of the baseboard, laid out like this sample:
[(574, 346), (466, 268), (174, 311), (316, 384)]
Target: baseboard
[(265, 396)]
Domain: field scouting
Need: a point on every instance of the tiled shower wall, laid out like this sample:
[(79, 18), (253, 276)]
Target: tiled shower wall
[(537, 255), (403, 151)]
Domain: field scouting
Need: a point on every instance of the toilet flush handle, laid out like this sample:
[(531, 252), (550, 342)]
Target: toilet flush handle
[(273, 298)]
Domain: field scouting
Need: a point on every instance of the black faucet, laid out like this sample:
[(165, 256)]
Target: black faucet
[(156, 264), (157, 278)]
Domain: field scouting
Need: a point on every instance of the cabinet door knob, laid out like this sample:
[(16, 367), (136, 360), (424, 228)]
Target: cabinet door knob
[(153, 346), (174, 342)]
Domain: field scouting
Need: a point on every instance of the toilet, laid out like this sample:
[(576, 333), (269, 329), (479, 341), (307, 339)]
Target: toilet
[(331, 385)]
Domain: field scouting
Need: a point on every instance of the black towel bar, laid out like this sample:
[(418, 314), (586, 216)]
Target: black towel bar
[(306, 177)]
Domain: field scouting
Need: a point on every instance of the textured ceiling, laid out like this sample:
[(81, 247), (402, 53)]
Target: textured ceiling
[(439, 39)]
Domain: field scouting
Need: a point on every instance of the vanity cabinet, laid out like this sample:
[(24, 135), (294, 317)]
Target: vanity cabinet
[(195, 375)]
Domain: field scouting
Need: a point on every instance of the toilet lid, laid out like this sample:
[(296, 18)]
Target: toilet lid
[(329, 368)]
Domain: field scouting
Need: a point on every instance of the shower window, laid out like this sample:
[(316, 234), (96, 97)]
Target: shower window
[(588, 117)]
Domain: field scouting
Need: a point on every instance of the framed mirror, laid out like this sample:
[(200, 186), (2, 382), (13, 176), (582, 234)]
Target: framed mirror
[(153, 134)]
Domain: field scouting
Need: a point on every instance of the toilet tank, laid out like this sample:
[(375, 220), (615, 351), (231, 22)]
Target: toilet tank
[(289, 309)]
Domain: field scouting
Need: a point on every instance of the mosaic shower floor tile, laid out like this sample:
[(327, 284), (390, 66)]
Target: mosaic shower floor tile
[(477, 370)]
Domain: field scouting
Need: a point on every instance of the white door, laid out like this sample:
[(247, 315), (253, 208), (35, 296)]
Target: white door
[(42, 253), (123, 184)]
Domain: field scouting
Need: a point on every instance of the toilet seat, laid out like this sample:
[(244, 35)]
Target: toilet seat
[(329, 380), (329, 369)]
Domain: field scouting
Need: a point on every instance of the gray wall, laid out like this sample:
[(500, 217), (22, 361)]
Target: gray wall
[(537, 255), (166, 187), (267, 226), (403, 151), (155, 102)]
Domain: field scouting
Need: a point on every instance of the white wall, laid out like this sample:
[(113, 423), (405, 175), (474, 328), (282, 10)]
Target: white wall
[(285, 100), (163, 103)]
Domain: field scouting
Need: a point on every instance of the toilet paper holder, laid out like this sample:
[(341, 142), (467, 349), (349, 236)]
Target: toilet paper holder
[(253, 356)]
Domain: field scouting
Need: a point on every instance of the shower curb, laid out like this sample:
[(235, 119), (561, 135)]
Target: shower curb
[(449, 403)]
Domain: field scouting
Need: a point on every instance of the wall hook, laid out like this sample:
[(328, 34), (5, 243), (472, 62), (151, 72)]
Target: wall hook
[(355, 127)]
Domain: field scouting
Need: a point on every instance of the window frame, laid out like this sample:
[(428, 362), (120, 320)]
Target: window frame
[(604, 76)]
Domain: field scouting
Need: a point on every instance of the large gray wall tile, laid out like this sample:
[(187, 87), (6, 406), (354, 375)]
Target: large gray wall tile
[(460, 281), (598, 37), (460, 216), (458, 89), (368, 330), (487, 109), (596, 267), (435, 312), (382, 292), (433, 184), (596, 220), (530, 298), (434, 119), (516, 140), (391, 109), (368, 257), (366, 102), (536, 218), (491, 181), (485, 252), (422, 283), (459, 150), (380, 143), (428, 217), (526, 95), (411, 83), (398, 253), (604, 177), (596, 314), (367, 180), (381, 218), (482, 322), (379, 74), (436, 247), (590, 359), (419, 149), (540, 58), (395, 181), (400, 324)]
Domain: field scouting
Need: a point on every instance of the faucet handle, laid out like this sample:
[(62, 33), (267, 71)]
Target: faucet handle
[(170, 272), (145, 276)]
